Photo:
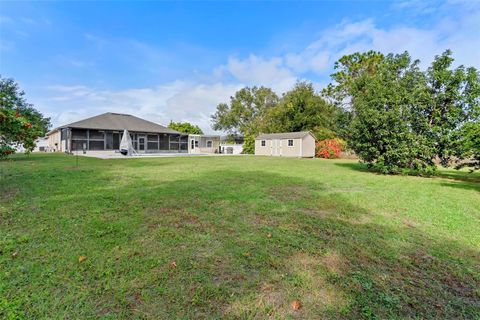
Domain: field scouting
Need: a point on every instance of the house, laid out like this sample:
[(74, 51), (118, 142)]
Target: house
[(288, 144), (231, 144), (101, 135), (200, 143), (41, 145)]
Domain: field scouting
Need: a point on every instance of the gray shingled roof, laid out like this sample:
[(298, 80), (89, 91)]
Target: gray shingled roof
[(119, 121), (284, 135)]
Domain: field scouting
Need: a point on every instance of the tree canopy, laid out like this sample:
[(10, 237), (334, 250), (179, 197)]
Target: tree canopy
[(403, 118), (20, 123), (185, 127), (255, 110), (246, 113)]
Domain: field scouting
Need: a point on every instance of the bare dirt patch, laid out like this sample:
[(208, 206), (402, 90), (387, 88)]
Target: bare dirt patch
[(333, 262)]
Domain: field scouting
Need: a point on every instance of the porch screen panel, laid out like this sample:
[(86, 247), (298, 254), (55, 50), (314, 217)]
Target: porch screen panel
[(96, 140), (109, 141), (174, 142), (96, 145), (79, 139), (152, 142), (116, 141), (163, 141), (184, 143)]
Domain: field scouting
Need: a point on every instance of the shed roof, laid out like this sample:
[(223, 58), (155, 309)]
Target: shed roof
[(284, 135), (118, 121)]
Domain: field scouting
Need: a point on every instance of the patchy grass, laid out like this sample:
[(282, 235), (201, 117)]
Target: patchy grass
[(234, 237)]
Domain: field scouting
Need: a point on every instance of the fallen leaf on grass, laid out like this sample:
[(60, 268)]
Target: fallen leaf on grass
[(296, 304), (247, 254), (14, 254), (173, 264), (82, 258), (269, 235)]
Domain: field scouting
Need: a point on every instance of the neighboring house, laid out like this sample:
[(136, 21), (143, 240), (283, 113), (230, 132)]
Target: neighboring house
[(199, 143), (42, 145), (231, 144), (289, 144), (102, 135)]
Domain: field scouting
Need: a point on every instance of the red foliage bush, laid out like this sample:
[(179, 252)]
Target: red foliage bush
[(329, 148)]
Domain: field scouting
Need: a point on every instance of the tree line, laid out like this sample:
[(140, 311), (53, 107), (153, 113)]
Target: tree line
[(395, 116)]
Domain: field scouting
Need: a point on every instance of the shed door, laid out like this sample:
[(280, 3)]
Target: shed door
[(276, 147)]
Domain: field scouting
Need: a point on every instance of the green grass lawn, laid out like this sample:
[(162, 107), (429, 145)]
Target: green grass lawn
[(234, 237)]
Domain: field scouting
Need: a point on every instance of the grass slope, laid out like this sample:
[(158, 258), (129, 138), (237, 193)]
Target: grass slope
[(234, 237)]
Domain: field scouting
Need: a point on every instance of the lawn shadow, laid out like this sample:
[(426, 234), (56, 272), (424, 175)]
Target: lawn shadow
[(242, 244), (459, 179), (361, 167)]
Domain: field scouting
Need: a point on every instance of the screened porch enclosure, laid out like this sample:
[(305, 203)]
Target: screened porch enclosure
[(105, 140)]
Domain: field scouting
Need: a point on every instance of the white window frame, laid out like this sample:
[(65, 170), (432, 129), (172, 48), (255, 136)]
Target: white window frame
[(288, 142), (211, 143), (263, 143)]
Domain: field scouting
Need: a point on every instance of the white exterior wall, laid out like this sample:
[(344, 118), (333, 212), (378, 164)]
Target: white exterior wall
[(236, 148), (54, 142), (304, 147), (202, 144), (308, 146)]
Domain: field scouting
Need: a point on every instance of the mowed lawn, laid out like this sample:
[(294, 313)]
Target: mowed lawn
[(234, 237)]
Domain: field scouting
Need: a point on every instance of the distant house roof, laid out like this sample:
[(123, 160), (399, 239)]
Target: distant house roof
[(118, 121), (284, 135)]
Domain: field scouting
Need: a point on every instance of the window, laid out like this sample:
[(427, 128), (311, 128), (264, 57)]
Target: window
[(290, 142), (196, 144), (209, 143), (263, 143)]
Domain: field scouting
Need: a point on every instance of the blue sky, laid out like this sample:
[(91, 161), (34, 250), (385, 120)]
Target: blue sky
[(177, 60)]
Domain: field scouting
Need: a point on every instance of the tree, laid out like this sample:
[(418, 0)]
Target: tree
[(185, 127), (20, 122), (451, 107), (245, 114), (403, 118), (302, 109)]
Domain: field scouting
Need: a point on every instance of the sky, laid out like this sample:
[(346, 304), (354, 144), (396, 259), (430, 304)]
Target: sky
[(177, 61)]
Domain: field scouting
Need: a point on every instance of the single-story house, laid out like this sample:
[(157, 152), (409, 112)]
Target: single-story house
[(41, 145), (200, 143), (102, 135), (288, 144)]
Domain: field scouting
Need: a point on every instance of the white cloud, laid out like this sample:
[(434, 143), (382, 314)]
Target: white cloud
[(254, 70), (195, 100), (177, 101)]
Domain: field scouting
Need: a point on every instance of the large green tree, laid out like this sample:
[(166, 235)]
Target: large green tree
[(403, 118), (185, 127), (20, 123), (245, 114), (303, 109)]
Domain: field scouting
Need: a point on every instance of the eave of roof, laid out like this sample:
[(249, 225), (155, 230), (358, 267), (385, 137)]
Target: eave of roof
[(118, 122), (284, 135)]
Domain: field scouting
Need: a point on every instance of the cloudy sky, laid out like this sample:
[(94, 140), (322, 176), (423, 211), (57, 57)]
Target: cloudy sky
[(176, 61)]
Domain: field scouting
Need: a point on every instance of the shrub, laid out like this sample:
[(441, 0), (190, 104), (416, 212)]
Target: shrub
[(329, 148)]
